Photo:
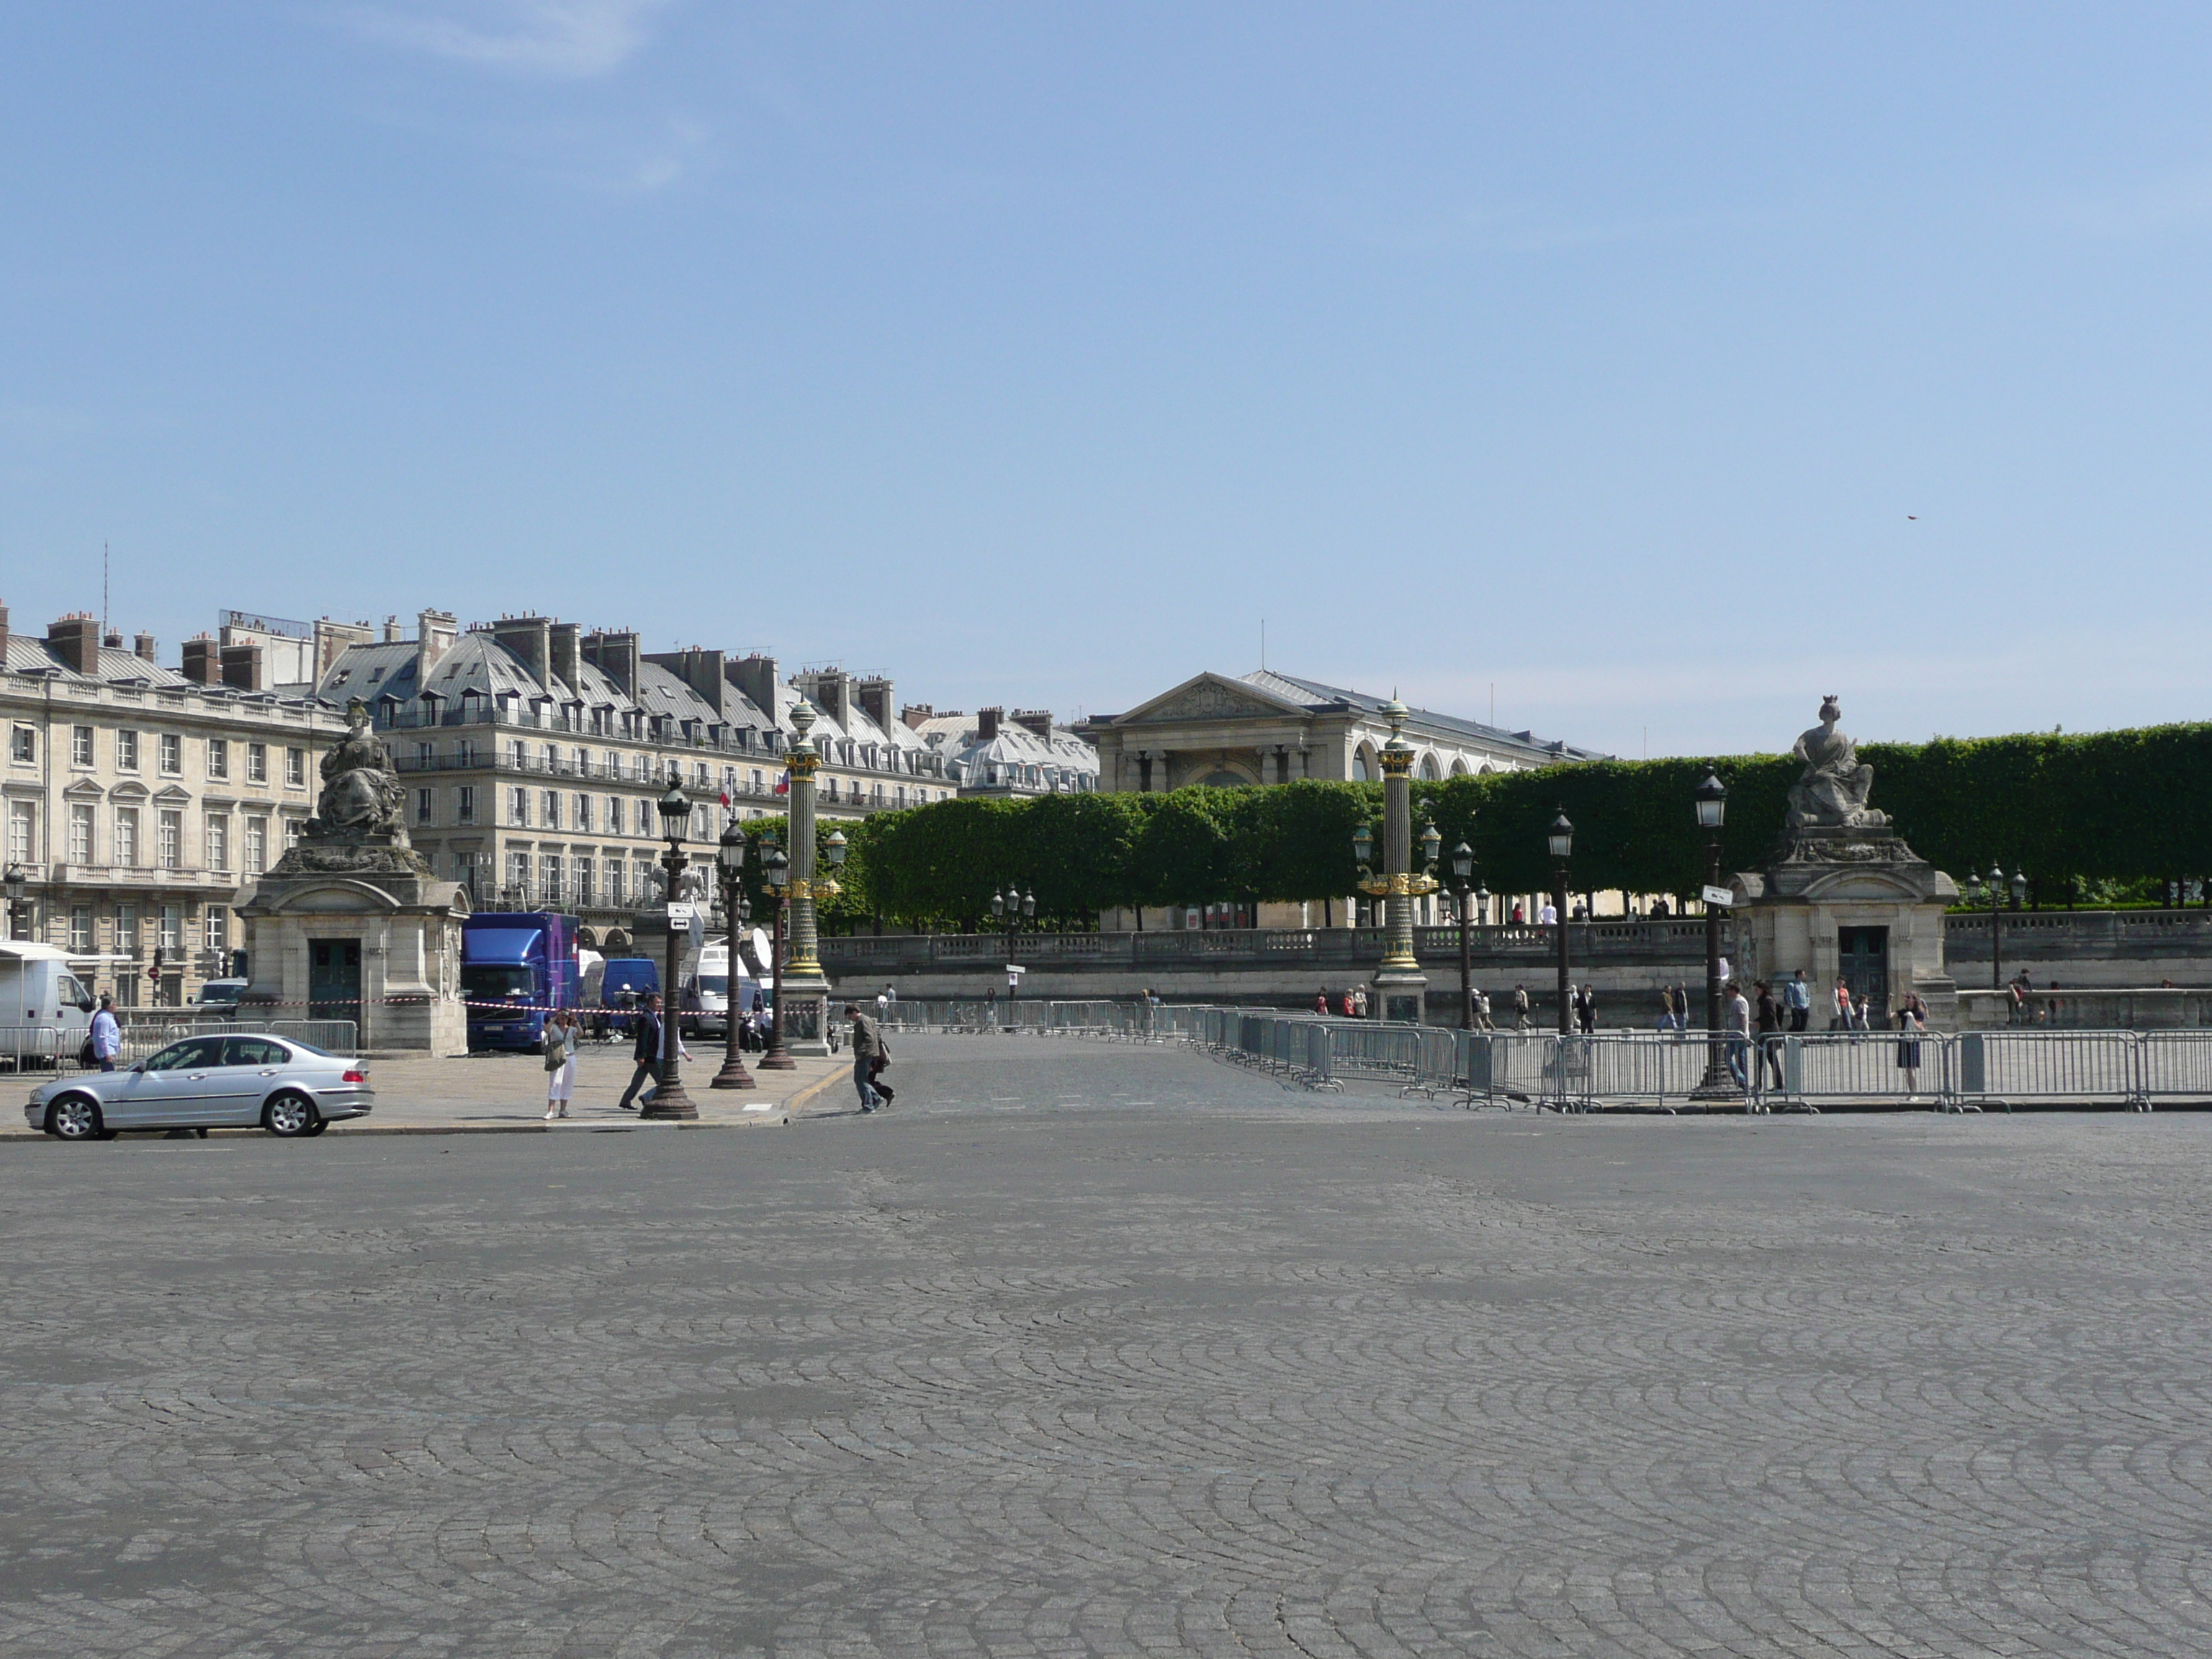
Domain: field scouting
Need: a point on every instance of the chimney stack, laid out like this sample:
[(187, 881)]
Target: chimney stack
[(916, 714), (203, 660), (76, 640), (111, 641), (3, 636), (565, 641), (530, 638), (875, 694), (987, 723), (1038, 720), (757, 677), (143, 647), (241, 667), (702, 670), (391, 634), (614, 655)]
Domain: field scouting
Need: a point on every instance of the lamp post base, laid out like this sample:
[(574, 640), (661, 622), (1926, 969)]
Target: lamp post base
[(733, 1075), (670, 1102), (1398, 995)]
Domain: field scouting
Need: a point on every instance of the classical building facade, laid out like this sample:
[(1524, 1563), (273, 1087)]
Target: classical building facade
[(1266, 727), (534, 751), (993, 755), (139, 799)]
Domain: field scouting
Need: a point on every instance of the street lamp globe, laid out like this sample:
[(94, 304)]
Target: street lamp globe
[(1463, 863), (1561, 836), (729, 854), (2018, 888), (1711, 797), (835, 848), (998, 902), (1363, 844), (1973, 887), (1431, 845), (1029, 905), (675, 809), (776, 864)]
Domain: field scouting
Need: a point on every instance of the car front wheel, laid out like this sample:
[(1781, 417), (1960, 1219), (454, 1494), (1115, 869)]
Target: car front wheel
[(77, 1117), (290, 1116)]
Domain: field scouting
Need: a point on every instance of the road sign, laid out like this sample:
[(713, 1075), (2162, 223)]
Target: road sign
[(681, 916), (1721, 896)]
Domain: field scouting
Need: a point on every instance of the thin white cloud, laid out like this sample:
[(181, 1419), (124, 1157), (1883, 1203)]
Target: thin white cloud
[(568, 40)]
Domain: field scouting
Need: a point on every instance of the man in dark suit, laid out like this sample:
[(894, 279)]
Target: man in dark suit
[(646, 1053)]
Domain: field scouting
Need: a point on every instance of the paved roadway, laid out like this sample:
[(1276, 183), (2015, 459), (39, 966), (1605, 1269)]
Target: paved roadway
[(1104, 1350)]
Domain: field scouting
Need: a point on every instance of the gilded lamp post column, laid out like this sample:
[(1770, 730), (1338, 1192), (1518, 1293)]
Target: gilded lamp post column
[(1400, 987), (803, 995)]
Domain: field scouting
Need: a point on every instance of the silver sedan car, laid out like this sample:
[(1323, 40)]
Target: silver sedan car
[(288, 1088)]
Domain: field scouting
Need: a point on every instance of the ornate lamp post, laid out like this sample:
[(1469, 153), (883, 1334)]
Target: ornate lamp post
[(670, 1100), (1012, 907), (1560, 839), (1711, 798), (776, 868), (729, 863), (1996, 892), (803, 992), (1400, 986), (16, 884), (1463, 866)]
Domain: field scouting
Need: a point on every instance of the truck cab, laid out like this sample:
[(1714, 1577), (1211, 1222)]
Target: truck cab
[(46, 1011), (516, 968)]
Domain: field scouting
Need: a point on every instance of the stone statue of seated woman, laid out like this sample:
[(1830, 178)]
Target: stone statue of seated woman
[(1833, 789)]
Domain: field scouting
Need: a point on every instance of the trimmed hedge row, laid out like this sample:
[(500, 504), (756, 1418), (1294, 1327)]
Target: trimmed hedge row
[(2110, 807)]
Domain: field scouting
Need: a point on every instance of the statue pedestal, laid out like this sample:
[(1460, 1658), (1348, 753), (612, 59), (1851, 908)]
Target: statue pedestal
[(373, 939), (1854, 902), (805, 1001), (1397, 995)]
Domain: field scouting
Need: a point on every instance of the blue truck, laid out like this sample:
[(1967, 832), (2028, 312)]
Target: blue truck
[(516, 966)]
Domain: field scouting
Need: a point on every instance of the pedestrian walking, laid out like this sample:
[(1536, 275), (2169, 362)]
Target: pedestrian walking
[(1482, 1012), (1586, 1009), (1797, 997), (1735, 1024), (1360, 1002), (1521, 1021), (1347, 1005), (1911, 1022), (1666, 1008), (867, 1047), (1841, 1019), (1321, 1000), (559, 1044), (645, 1052), (107, 1036), (1769, 1030)]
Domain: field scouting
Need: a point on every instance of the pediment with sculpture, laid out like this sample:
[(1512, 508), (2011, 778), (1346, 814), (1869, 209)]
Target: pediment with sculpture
[(1210, 697)]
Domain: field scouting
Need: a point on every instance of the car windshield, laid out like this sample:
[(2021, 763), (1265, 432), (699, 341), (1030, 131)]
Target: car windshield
[(714, 984), (483, 982)]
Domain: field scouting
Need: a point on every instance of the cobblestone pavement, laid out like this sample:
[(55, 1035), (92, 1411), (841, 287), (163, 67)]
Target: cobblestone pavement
[(1110, 1350)]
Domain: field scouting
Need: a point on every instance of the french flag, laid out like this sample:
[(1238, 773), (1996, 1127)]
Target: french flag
[(783, 784)]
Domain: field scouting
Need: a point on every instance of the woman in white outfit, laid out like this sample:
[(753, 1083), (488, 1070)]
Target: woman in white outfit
[(559, 1063)]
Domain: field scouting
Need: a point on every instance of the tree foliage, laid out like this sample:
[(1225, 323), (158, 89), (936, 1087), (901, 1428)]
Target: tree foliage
[(2110, 807)]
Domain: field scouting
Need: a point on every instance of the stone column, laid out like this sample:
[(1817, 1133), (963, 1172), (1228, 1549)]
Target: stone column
[(1400, 987), (804, 993)]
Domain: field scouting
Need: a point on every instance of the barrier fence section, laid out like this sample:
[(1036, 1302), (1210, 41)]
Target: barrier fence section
[(1962, 1071), (48, 1050)]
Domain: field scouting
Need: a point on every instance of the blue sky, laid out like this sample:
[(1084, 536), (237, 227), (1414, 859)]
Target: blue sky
[(1662, 369)]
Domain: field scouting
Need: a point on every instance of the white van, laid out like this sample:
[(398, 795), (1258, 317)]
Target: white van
[(707, 993), (46, 1011)]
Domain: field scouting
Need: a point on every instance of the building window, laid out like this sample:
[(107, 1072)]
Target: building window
[(464, 803), (422, 814), (426, 756), (80, 745), (256, 846), (81, 929), (171, 847), (521, 754), (126, 836), (173, 755), (217, 830), (80, 833), (295, 768), (586, 874), (126, 752), (517, 808), (126, 931), (517, 873), (23, 746), (22, 832), (829, 789), (614, 815), (548, 876), (172, 930), (464, 754), (551, 804), (584, 813), (292, 827), (218, 756), (256, 763), (218, 932)]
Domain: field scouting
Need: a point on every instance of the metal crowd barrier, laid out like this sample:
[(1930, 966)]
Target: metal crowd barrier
[(1962, 1071)]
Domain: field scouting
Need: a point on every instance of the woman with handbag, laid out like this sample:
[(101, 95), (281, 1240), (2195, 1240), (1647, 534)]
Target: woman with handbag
[(559, 1050)]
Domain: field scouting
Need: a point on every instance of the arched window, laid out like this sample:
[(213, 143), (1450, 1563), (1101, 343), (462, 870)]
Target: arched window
[(1429, 774), (1225, 780)]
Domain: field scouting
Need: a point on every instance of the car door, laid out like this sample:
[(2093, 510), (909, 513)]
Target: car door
[(250, 1066), (170, 1088)]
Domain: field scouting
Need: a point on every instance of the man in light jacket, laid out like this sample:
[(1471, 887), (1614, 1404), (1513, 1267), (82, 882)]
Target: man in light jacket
[(867, 1044), (106, 1035)]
